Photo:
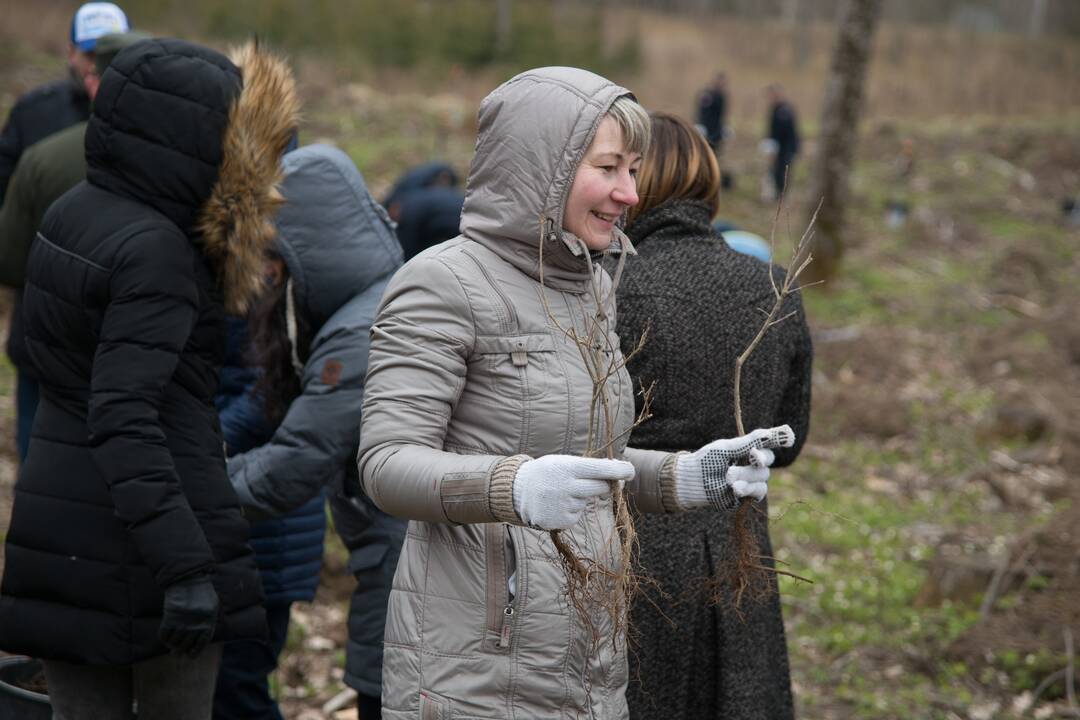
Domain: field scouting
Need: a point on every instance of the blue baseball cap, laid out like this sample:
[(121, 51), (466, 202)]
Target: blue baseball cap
[(93, 20)]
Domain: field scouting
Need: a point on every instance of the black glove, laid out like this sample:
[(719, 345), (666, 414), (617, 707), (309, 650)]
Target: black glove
[(189, 615)]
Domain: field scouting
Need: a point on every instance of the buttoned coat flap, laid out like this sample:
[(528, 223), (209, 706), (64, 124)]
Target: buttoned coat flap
[(492, 345)]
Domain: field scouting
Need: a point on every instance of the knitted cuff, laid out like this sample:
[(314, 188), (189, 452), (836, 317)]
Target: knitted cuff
[(702, 481), (667, 482), (501, 489)]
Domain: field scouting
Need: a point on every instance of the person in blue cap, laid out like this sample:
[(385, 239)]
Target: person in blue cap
[(36, 115), (52, 107)]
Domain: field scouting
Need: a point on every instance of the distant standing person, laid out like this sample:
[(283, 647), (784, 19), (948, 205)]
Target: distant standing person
[(712, 112), (36, 115), (784, 131)]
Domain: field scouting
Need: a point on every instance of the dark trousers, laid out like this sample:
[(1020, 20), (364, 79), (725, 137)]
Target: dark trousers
[(243, 684), (26, 402), (368, 708), (168, 687)]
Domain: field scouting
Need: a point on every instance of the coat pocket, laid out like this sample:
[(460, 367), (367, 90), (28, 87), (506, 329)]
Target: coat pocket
[(433, 707), (519, 366), (500, 563)]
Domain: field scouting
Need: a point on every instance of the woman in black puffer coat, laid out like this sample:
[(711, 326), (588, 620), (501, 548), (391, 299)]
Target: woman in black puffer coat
[(127, 540), (699, 299)]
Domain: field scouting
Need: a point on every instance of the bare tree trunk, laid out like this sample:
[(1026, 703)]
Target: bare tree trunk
[(503, 25), (839, 120), (797, 18), (791, 13), (1037, 21)]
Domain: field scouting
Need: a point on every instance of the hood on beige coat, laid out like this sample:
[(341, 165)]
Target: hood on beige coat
[(533, 131)]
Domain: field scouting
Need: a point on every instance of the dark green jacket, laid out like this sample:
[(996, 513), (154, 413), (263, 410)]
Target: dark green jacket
[(47, 170)]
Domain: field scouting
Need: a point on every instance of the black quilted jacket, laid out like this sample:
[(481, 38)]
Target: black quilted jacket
[(124, 491)]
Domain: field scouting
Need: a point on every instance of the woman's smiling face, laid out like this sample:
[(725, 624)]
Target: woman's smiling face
[(603, 188)]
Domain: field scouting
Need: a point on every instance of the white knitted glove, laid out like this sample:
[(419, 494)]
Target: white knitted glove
[(551, 492), (711, 476)]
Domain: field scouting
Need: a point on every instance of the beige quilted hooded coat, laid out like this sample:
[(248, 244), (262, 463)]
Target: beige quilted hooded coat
[(468, 378)]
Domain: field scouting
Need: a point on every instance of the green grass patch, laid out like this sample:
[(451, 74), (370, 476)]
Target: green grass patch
[(867, 550), (412, 33), (7, 376)]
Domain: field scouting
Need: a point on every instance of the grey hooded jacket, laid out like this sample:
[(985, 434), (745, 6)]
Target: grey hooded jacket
[(468, 377), (340, 249)]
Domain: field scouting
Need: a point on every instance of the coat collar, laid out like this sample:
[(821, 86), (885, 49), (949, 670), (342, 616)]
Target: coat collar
[(682, 218)]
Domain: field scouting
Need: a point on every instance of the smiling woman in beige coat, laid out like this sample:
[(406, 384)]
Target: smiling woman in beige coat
[(476, 411)]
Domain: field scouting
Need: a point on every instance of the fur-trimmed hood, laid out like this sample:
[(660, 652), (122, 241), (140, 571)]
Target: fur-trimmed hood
[(198, 137), (236, 222)]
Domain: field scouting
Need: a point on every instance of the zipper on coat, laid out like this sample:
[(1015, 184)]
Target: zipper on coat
[(500, 562), (508, 620), (511, 322), (506, 629)]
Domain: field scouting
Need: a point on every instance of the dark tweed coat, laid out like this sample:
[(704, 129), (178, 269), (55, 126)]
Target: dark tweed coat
[(700, 297)]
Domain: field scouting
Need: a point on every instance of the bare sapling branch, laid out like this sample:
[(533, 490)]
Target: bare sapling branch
[(750, 573), (604, 579), (781, 293)]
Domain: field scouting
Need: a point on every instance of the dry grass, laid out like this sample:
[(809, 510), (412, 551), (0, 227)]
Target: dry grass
[(41, 26), (916, 72), (30, 34)]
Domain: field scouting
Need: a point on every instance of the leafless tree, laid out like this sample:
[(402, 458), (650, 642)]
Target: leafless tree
[(796, 18), (1037, 21), (839, 120), (503, 26)]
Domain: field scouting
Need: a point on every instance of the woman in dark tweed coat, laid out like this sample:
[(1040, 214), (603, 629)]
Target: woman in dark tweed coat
[(699, 299)]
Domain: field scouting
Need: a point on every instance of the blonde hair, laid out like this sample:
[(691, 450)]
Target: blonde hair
[(634, 123), (679, 164)]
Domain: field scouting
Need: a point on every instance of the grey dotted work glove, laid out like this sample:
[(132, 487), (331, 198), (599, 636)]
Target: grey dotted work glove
[(724, 471), (190, 615)]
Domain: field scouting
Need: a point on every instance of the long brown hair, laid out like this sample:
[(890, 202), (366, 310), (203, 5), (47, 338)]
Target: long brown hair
[(679, 164), (271, 350)]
